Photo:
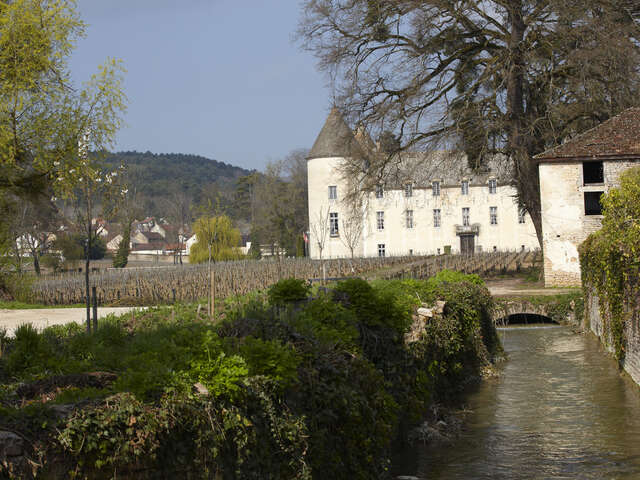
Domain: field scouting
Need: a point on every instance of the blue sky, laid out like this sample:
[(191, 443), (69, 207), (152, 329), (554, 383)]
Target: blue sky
[(218, 78)]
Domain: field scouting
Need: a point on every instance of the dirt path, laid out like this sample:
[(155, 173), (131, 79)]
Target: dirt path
[(42, 318)]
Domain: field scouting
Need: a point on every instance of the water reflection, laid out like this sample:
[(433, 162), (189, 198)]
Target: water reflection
[(559, 411)]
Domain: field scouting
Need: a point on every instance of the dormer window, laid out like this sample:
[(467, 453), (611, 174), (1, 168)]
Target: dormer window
[(493, 185), (408, 190), (435, 185), (333, 192), (379, 191), (465, 187)]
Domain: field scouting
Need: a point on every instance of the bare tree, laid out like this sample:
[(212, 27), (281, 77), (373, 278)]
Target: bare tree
[(351, 231), (280, 202), (179, 209), (319, 227), (486, 76)]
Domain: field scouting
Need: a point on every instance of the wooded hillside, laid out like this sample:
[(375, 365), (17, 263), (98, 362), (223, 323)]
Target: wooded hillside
[(159, 176)]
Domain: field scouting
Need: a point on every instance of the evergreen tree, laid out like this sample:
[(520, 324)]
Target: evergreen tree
[(121, 257)]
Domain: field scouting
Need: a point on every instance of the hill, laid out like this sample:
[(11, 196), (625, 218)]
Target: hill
[(158, 177)]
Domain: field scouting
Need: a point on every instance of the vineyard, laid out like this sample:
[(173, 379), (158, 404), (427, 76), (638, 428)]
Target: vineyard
[(157, 285)]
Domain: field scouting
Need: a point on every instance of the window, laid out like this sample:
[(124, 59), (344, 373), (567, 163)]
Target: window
[(592, 172), (465, 216), (436, 188), (411, 251), (380, 220), (333, 224), (379, 191), (438, 251), (333, 192), (465, 187), (592, 204), (493, 215), (381, 251), (409, 218), (521, 214), (408, 190), (493, 185), (436, 217)]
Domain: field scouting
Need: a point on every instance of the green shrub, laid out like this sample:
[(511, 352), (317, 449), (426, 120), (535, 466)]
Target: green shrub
[(320, 391), (374, 307), (288, 291)]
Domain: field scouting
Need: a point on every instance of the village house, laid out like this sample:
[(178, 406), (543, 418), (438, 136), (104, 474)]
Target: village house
[(432, 203), (573, 176)]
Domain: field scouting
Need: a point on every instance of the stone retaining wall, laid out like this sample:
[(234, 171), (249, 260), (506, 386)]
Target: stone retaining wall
[(594, 321)]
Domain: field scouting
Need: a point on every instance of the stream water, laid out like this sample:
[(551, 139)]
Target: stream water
[(559, 410)]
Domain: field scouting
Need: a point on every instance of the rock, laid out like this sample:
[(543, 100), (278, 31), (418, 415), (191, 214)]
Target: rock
[(200, 389), (425, 312), (440, 306), (11, 445)]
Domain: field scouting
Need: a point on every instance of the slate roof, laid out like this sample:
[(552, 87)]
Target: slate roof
[(448, 167), (616, 138), (335, 139)]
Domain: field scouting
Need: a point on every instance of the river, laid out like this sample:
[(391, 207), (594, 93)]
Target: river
[(559, 410)]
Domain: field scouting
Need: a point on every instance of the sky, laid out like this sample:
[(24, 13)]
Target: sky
[(217, 78)]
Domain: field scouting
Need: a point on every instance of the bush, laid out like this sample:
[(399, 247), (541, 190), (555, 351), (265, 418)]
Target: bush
[(321, 391), (51, 261), (288, 291)]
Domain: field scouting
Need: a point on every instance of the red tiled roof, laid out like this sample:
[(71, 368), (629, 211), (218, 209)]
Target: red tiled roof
[(616, 138)]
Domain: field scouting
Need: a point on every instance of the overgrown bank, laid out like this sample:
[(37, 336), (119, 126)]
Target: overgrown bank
[(289, 385), (610, 263)]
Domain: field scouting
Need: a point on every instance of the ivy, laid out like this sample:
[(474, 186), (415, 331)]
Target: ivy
[(609, 259)]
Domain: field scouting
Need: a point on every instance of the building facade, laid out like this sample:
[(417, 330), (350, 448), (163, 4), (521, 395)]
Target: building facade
[(431, 203), (573, 176)]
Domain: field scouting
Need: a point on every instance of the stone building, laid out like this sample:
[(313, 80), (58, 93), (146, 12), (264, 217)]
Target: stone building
[(573, 176), (429, 202)]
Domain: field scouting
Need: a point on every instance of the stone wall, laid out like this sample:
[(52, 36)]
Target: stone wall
[(566, 309), (564, 223), (597, 323)]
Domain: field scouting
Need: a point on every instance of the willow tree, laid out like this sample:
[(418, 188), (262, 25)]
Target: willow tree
[(487, 76), (217, 240)]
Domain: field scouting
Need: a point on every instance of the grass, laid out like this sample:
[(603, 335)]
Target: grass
[(16, 305)]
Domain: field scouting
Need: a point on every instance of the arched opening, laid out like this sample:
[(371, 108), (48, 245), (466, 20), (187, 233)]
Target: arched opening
[(525, 319)]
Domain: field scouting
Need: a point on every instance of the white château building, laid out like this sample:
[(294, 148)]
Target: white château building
[(434, 204)]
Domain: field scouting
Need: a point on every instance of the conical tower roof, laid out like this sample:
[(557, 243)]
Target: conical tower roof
[(335, 139)]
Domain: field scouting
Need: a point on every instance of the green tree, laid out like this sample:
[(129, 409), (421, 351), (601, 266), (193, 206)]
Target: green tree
[(121, 257), (43, 116), (513, 77), (73, 247), (217, 240)]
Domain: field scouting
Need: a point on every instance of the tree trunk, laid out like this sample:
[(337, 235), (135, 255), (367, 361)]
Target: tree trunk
[(88, 258), (526, 171), (36, 261)]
